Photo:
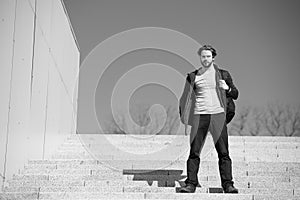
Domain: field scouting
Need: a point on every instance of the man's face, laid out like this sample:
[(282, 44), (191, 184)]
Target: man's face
[(206, 58)]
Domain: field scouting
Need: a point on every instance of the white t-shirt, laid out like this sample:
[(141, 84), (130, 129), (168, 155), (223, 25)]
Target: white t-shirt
[(207, 101)]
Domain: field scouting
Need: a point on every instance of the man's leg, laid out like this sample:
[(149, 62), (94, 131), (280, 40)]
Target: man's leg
[(225, 163), (219, 132), (197, 138)]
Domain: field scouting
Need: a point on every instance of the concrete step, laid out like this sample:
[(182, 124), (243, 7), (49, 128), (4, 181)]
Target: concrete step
[(238, 171), (253, 153), (102, 138), (261, 179), (167, 139), (14, 186), (259, 146), (136, 195), (145, 188), (90, 195), (200, 196), (71, 171), (270, 166), (141, 195), (114, 188), (106, 167), (19, 196), (234, 148), (73, 177), (144, 177), (215, 196), (130, 150)]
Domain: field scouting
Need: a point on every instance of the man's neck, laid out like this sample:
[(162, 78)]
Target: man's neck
[(203, 69)]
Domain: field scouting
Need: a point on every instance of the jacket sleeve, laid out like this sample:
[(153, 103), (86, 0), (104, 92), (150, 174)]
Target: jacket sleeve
[(233, 91), (183, 97)]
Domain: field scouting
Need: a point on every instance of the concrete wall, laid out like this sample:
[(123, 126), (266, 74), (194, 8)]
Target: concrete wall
[(39, 65)]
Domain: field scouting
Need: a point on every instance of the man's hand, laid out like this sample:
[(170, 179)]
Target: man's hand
[(223, 85)]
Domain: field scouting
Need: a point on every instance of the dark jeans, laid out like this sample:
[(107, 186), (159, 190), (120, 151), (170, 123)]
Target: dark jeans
[(217, 126)]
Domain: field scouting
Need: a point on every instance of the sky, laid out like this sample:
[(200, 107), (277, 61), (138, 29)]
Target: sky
[(139, 51)]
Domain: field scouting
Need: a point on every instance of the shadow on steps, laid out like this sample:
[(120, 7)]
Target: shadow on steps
[(164, 178)]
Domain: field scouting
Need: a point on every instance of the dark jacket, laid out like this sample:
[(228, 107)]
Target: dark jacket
[(188, 98), (231, 94)]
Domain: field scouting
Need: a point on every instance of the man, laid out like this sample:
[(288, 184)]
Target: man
[(203, 105)]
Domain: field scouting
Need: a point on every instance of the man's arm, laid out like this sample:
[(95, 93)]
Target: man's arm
[(233, 91), (184, 94)]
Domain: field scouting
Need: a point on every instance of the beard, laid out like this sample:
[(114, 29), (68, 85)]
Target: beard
[(206, 63)]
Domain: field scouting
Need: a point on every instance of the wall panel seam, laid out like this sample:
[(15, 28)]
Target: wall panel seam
[(10, 93), (46, 117), (33, 52), (55, 62)]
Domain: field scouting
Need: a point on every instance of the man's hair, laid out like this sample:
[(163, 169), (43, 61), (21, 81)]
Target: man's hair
[(209, 48)]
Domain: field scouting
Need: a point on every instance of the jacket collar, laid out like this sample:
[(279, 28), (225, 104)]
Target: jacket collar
[(200, 71)]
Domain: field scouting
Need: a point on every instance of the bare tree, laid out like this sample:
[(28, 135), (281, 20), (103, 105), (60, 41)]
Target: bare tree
[(255, 127), (239, 124), (172, 121), (120, 124), (113, 127), (291, 120), (273, 118)]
